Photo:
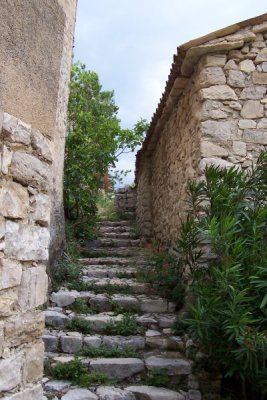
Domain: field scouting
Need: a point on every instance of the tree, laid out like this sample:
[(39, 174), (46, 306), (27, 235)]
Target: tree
[(94, 141)]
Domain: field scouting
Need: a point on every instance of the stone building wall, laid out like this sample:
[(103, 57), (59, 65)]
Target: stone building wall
[(35, 54), (125, 201), (213, 111)]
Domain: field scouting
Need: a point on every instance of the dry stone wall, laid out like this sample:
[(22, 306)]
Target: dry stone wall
[(220, 118), (35, 47)]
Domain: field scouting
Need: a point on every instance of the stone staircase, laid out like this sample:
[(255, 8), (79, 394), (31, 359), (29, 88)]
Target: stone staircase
[(110, 271)]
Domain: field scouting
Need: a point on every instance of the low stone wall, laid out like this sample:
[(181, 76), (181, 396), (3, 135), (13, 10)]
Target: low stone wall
[(218, 116), (24, 240), (125, 201)]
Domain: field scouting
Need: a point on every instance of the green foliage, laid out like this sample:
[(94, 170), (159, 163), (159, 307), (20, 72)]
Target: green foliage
[(77, 324), (77, 373), (95, 139), (80, 306), (228, 210), (108, 352), (164, 274), (66, 272), (126, 327), (158, 377)]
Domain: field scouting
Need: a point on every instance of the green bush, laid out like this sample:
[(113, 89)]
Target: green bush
[(77, 373), (228, 211), (126, 327)]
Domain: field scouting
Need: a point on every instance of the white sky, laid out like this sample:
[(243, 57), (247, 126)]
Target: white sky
[(130, 44)]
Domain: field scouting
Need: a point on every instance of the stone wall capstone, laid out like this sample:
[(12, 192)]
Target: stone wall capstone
[(214, 111)]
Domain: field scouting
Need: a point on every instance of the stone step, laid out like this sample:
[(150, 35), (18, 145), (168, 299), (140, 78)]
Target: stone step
[(155, 321), (113, 242), (123, 368), (117, 235), (142, 392), (105, 302), (114, 223), (131, 284), (114, 229), (113, 262), (98, 271), (111, 251), (137, 392), (73, 342)]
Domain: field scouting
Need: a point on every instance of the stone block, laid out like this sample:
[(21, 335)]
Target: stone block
[(255, 136), (261, 56), (135, 342), (14, 200), (210, 76), (29, 170), (247, 66), (253, 93), (236, 79), (239, 148), (8, 300), (33, 393), (92, 341), (55, 318), (262, 124), (252, 109), (41, 145), (10, 372), (217, 162), (25, 329), (218, 92), (33, 367), (64, 298), (213, 109), (70, 343), (50, 343), (223, 130), (6, 157), (260, 28), (113, 393), (259, 78), (79, 394), (10, 273), (245, 35), (210, 149), (118, 368), (16, 130), (154, 393), (176, 366), (213, 60), (26, 243), (34, 286), (247, 124), (57, 386), (41, 209)]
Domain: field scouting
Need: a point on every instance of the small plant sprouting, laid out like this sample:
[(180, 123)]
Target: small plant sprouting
[(77, 324), (126, 327)]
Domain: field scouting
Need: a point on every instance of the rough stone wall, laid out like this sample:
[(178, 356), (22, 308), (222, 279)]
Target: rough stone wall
[(35, 51), (125, 201), (219, 118)]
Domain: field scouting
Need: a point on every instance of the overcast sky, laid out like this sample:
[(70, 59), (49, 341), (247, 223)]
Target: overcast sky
[(130, 44)]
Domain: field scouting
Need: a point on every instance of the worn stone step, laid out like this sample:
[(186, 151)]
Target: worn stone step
[(173, 366), (132, 284), (96, 271), (155, 393), (55, 318), (118, 235), (73, 342), (102, 229), (112, 261), (113, 242), (105, 302), (111, 251), (114, 223)]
